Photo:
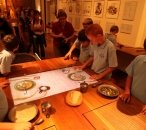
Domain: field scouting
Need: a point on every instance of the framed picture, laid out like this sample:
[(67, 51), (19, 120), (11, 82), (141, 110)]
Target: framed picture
[(78, 8), (129, 10), (126, 28), (86, 9), (98, 8), (70, 8), (112, 9)]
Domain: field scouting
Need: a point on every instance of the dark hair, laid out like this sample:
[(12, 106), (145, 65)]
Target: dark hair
[(61, 13), (36, 12), (88, 21), (144, 45), (29, 11), (10, 42), (82, 36), (94, 29), (114, 28)]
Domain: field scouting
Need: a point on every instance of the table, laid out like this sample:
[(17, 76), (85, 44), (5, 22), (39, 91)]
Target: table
[(86, 116)]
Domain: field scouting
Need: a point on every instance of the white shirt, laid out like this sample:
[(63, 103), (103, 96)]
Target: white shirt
[(6, 59)]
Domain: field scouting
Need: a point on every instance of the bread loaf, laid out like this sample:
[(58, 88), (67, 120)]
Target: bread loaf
[(74, 98)]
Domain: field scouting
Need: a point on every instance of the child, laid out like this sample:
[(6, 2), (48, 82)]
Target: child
[(84, 47), (112, 35), (136, 80), (10, 44), (103, 53)]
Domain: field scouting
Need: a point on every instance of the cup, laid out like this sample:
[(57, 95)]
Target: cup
[(83, 87)]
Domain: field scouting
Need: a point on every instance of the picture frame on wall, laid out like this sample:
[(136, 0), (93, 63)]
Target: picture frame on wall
[(86, 8), (112, 10), (98, 8), (65, 1), (126, 28), (129, 10), (78, 8), (70, 8)]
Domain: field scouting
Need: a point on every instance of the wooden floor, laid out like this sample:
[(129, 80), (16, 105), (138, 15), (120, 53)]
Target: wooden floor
[(49, 48)]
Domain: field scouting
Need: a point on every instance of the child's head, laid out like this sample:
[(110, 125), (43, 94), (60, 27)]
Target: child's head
[(87, 22), (114, 29), (83, 38), (10, 43), (95, 34), (144, 45)]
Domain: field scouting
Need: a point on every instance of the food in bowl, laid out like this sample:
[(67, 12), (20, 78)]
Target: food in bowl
[(108, 90)]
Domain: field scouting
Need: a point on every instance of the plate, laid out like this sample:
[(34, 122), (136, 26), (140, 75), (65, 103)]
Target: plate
[(23, 113), (108, 90), (76, 76), (24, 85)]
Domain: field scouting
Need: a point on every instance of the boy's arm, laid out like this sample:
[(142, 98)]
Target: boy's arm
[(68, 55), (126, 95), (87, 63), (103, 74)]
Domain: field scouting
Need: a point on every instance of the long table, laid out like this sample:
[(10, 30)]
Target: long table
[(96, 112)]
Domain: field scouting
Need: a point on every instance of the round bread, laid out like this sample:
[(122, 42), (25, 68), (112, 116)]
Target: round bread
[(74, 98)]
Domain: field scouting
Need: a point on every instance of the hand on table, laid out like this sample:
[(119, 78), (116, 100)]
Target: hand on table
[(80, 67), (67, 56), (125, 96), (96, 77)]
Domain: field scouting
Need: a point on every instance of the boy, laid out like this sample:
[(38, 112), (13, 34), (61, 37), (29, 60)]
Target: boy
[(84, 47), (10, 44), (136, 80), (103, 53), (112, 36)]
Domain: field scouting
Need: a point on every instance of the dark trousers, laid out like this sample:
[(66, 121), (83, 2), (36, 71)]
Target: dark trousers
[(39, 45), (60, 47)]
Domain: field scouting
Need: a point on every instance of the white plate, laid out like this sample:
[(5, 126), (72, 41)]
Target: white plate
[(76, 76), (108, 90), (24, 85), (23, 112)]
